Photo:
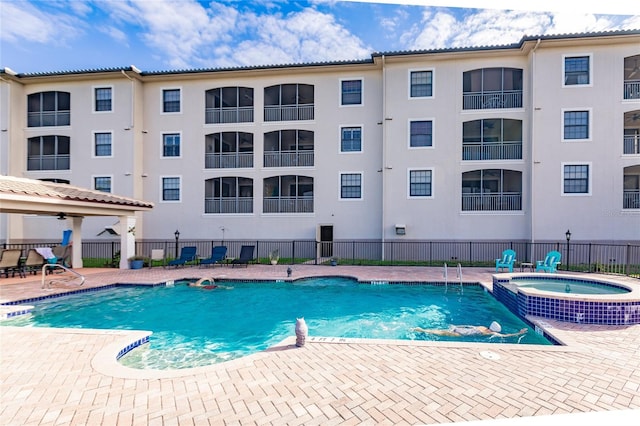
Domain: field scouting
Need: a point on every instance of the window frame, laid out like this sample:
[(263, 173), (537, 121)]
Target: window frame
[(349, 126), (409, 134), (410, 85), (56, 113), (58, 139), (340, 186), (420, 169), (162, 101), (162, 188), (94, 99), (589, 112), (589, 71), (95, 145), (163, 146), (589, 166), (96, 177), (341, 92)]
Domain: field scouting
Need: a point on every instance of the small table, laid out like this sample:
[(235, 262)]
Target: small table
[(526, 265)]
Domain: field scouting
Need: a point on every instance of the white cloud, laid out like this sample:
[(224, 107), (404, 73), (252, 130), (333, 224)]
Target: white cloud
[(22, 22)]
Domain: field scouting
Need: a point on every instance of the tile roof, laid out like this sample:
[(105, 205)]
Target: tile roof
[(37, 188)]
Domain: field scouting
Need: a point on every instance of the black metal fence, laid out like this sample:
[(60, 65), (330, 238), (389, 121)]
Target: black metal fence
[(584, 257)]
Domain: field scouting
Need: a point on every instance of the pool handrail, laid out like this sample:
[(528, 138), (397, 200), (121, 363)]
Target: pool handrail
[(57, 265)]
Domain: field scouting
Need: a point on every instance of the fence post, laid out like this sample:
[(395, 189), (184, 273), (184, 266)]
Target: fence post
[(293, 252), (316, 253)]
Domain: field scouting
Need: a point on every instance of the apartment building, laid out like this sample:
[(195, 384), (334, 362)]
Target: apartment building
[(518, 142)]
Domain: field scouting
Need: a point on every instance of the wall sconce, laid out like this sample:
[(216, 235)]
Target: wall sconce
[(144, 175), (401, 229)]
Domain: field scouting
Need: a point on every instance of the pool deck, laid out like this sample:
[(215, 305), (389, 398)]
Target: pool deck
[(65, 376)]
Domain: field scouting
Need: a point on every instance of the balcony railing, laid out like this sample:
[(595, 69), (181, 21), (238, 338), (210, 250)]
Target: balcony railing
[(500, 201), (231, 160), (492, 100), (632, 144), (492, 151), (631, 199), (632, 89), (228, 205), (288, 112), (48, 118), (302, 204), (288, 159), (49, 162), (229, 115)]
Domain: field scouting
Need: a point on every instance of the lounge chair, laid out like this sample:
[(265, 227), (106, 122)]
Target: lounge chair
[(34, 261), (187, 254), (218, 254), (10, 262), (550, 262), (507, 260), (63, 255), (246, 256)]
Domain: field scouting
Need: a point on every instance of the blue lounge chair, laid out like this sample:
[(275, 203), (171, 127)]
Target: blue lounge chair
[(246, 256), (550, 262), (507, 260), (218, 254), (187, 254)]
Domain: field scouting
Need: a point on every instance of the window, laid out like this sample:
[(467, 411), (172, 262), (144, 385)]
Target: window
[(420, 134), (420, 183), (102, 144), (350, 185), (576, 70), (229, 105), (576, 179), (576, 125), (351, 139), (170, 189), (49, 109), (421, 83), (351, 92), (171, 100), (171, 145), (48, 153), (102, 183), (102, 96)]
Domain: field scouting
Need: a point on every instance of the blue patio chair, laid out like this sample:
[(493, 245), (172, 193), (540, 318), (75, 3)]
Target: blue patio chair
[(187, 254), (246, 256), (550, 262), (507, 260), (218, 254)]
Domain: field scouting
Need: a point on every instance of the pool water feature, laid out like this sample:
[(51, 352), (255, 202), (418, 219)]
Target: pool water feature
[(194, 326)]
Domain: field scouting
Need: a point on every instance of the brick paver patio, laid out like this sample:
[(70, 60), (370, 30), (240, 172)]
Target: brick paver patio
[(65, 376)]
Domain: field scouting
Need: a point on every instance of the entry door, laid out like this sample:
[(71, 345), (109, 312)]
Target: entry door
[(326, 240)]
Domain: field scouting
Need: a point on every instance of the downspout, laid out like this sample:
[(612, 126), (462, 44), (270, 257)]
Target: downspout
[(384, 150), (133, 88), (532, 136)]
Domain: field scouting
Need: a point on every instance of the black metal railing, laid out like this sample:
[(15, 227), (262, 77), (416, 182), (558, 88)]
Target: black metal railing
[(623, 258)]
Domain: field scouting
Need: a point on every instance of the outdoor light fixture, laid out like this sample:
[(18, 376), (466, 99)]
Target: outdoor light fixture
[(62, 216), (568, 235), (177, 235)]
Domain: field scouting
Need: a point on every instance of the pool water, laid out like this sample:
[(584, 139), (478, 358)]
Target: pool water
[(565, 286), (195, 326)]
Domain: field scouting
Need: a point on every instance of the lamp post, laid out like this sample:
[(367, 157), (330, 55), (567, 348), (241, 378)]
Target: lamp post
[(568, 235), (177, 235)]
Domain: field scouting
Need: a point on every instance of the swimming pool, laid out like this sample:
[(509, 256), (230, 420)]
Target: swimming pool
[(559, 285), (194, 327)]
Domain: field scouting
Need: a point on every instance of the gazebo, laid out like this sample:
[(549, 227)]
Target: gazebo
[(28, 196)]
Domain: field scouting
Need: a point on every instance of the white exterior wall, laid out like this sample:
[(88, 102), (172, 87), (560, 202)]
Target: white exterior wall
[(137, 165)]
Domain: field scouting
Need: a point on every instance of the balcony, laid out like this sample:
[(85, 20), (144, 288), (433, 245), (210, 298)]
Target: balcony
[(492, 151), (302, 204), (48, 118), (632, 89), (228, 205), (288, 112), (631, 199), (229, 115), (49, 162), (631, 144), (492, 100), (499, 201), (288, 159), (230, 160)]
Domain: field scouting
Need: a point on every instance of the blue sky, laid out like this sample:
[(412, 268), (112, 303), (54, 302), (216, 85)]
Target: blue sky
[(155, 35)]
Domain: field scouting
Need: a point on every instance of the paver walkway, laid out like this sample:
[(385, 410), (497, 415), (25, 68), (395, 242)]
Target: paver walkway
[(62, 376)]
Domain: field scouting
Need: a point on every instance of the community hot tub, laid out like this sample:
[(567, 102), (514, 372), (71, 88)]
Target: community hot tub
[(572, 298)]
